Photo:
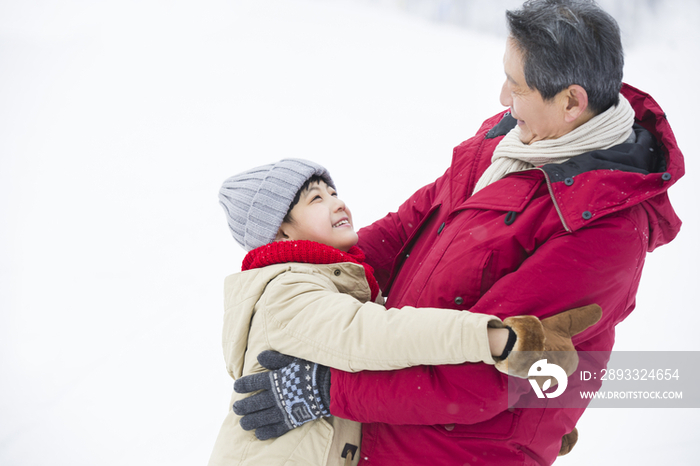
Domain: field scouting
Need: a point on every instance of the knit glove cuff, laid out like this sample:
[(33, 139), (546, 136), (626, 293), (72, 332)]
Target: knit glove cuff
[(298, 391)]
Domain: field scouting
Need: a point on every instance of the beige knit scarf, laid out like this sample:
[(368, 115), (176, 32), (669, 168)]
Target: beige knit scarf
[(612, 127)]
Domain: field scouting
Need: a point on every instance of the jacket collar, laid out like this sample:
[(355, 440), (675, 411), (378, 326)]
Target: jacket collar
[(308, 252)]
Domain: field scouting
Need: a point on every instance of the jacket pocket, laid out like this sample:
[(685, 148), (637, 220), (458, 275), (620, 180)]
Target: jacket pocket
[(489, 275), (500, 427), (314, 445)]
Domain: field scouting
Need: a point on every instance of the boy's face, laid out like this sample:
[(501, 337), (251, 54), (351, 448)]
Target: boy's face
[(320, 216)]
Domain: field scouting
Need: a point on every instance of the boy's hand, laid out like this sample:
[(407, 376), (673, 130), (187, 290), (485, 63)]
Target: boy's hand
[(294, 392)]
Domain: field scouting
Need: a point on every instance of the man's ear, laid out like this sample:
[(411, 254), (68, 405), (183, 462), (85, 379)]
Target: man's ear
[(576, 104)]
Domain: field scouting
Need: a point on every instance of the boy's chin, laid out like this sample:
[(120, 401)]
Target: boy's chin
[(345, 247)]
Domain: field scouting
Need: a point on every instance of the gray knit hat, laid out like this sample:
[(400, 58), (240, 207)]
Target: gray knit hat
[(256, 201)]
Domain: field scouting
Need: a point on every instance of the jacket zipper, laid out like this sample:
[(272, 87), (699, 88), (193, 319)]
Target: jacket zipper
[(554, 201)]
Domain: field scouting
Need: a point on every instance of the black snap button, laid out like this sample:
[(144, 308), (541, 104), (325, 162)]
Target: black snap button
[(569, 181), (336, 272), (458, 300), (350, 450), (666, 176), (586, 215)]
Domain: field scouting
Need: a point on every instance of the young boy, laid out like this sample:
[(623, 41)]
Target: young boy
[(305, 291)]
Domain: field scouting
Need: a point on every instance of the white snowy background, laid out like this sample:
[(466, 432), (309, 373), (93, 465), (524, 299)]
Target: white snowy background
[(120, 119)]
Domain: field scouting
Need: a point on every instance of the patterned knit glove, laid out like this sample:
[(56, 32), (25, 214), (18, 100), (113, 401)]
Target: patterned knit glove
[(294, 392)]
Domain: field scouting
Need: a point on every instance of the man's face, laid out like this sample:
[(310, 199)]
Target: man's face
[(320, 216), (538, 119)]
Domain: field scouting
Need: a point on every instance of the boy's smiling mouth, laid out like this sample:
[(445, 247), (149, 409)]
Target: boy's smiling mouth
[(341, 223)]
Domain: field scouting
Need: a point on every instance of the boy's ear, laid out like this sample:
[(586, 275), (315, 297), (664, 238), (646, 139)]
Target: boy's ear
[(282, 233)]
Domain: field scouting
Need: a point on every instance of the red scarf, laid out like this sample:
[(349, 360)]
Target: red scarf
[(308, 252)]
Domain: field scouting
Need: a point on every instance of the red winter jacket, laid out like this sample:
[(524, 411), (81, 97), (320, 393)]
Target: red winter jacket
[(536, 242)]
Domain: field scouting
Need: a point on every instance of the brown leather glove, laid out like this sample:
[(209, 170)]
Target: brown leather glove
[(568, 441), (548, 339)]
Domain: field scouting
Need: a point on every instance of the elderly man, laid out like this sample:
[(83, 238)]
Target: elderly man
[(553, 204)]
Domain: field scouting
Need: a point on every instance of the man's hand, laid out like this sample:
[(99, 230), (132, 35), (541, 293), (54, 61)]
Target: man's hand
[(294, 392), (548, 339)]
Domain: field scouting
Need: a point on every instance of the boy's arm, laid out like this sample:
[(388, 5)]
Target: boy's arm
[(609, 258), (305, 316)]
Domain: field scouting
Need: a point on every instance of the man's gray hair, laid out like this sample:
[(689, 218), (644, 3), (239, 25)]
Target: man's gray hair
[(567, 42)]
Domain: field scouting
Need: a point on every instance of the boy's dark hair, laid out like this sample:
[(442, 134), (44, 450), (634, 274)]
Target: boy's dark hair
[(568, 42), (297, 196)]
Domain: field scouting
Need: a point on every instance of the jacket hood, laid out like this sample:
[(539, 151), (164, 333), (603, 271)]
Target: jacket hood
[(610, 180), (602, 182), (242, 291)]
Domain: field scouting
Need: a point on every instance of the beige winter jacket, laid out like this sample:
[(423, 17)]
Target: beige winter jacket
[(323, 313)]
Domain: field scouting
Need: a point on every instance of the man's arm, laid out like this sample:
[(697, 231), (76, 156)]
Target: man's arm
[(383, 240)]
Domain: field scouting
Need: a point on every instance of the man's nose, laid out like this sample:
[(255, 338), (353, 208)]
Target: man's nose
[(505, 97)]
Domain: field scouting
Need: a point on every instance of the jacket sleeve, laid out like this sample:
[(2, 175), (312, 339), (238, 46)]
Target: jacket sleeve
[(305, 316), (383, 240), (602, 264)]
